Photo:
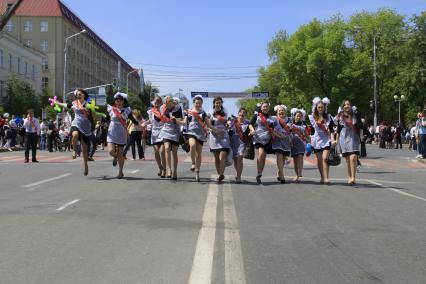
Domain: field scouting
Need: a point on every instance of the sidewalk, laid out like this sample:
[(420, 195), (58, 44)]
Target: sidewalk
[(16, 148)]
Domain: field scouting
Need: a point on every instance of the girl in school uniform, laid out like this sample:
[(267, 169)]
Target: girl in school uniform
[(348, 129), (81, 126), (197, 122), (239, 139), (281, 143), (172, 116), (261, 127), (300, 134), (219, 137), (117, 130), (322, 138), (156, 122)]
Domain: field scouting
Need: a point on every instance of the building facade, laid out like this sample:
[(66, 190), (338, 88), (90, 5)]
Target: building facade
[(45, 25), (17, 59)]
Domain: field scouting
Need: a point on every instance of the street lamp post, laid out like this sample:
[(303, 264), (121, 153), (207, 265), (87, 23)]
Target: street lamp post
[(65, 62), (375, 82), (127, 80), (399, 99)]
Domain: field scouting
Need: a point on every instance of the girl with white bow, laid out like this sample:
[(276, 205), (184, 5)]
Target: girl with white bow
[(322, 138), (81, 126), (117, 130), (300, 135), (348, 128), (281, 142)]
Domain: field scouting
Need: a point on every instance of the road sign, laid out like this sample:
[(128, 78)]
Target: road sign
[(242, 95), (260, 95), (202, 94)]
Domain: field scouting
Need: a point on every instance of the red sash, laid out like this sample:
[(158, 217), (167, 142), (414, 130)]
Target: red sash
[(297, 130), (220, 119), (321, 125), (81, 108), (120, 117), (239, 130), (197, 117), (264, 121), (158, 115), (283, 124)]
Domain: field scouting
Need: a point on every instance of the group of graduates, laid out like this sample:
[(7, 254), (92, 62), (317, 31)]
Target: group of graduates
[(285, 134)]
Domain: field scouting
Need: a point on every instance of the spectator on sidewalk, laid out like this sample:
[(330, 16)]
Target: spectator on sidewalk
[(43, 135), (32, 130), (421, 130), (413, 141)]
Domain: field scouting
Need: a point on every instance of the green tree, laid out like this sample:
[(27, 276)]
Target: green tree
[(20, 97)]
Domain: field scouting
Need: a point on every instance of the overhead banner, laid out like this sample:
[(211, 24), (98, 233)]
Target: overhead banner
[(241, 95)]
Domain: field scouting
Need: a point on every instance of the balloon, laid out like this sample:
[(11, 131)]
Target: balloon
[(309, 149), (54, 102), (93, 107)]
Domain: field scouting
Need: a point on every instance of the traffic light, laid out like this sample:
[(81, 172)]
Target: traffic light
[(114, 83), (371, 105)]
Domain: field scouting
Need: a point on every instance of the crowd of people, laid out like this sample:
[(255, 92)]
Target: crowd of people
[(279, 131)]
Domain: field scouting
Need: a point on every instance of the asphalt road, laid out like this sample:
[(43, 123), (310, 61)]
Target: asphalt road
[(57, 226)]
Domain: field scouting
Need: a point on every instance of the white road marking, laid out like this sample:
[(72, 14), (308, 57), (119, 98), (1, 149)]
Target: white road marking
[(133, 171), (202, 265), (397, 190), (234, 265), (332, 179), (46, 180), (67, 204)]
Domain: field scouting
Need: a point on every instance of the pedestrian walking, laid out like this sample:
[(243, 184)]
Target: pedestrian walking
[(156, 121), (300, 135), (281, 140), (239, 130), (135, 136)]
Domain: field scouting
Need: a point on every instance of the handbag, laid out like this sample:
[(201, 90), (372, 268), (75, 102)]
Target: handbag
[(249, 151), (184, 143), (333, 158)]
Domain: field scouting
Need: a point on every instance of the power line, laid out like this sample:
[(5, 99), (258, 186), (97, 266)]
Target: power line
[(202, 80), (196, 67)]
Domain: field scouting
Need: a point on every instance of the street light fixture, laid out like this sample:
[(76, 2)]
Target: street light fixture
[(65, 62), (399, 99), (127, 79)]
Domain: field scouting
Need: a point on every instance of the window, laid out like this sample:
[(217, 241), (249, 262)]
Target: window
[(28, 43), (1, 58), (26, 69), (44, 45), (33, 73), (45, 82), (44, 26), (9, 26), (10, 63), (44, 64), (28, 26), (19, 65)]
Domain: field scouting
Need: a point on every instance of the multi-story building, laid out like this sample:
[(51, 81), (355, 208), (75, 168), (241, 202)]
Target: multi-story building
[(17, 59), (45, 25)]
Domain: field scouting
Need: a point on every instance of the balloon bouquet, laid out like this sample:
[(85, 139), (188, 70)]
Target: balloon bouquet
[(90, 105)]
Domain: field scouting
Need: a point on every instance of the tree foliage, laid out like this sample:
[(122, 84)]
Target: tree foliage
[(334, 58), (21, 97)]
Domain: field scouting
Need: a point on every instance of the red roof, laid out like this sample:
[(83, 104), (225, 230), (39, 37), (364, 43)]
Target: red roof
[(44, 8)]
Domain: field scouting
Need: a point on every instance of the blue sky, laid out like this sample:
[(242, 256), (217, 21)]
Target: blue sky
[(213, 35)]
